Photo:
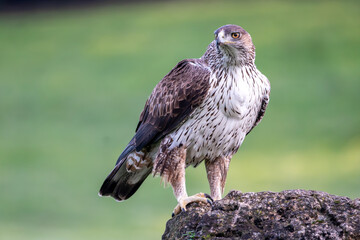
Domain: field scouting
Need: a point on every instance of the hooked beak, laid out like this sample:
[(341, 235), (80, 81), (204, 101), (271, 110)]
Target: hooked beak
[(221, 40), (218, 40), (218, 44)]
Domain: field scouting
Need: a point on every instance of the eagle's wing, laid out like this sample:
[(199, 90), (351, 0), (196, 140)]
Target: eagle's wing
[(173, 99), (261, 112), (264, 104), (171, 102)]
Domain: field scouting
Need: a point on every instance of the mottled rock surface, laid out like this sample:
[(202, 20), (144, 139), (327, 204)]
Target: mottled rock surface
[(293, 214)]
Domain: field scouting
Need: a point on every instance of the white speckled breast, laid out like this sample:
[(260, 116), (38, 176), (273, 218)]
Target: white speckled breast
[(220, 124)]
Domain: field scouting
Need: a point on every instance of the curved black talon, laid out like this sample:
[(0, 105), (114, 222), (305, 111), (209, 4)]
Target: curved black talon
[(173, 214), (209, 198)]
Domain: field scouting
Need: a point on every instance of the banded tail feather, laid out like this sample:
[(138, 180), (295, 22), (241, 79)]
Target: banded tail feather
[(123, 182)]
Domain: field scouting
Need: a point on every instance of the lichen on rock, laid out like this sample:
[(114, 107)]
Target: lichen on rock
[(292, 214)]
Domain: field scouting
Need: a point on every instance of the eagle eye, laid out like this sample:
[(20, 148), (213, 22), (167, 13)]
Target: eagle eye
[(235, 35)]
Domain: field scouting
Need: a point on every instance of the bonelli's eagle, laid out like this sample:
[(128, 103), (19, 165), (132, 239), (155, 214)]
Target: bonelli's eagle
[(201, 110)]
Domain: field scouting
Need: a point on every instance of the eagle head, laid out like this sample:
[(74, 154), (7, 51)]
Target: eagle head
[(235, 44)]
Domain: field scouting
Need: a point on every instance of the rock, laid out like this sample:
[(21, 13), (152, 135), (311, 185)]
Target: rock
[(293, 214)]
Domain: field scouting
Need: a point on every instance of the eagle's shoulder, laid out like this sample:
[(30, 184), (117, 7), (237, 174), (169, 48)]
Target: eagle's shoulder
[(173, 99)]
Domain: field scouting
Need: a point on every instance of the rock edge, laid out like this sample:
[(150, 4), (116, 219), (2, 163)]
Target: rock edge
[(291, 214)]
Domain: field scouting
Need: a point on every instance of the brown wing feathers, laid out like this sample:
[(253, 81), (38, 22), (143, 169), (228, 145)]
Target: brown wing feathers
[(172, 101)]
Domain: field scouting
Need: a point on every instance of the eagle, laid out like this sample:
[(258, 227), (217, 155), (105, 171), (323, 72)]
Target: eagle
[(200, 111)]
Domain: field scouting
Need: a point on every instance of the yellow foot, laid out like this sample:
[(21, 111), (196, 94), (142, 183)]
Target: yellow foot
[(183, 202)]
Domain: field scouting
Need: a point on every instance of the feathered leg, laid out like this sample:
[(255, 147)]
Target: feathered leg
[(179, 188), (216, 173), (170, 164)]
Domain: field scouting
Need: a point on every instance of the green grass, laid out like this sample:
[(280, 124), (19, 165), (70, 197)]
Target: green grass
[(73, 83)]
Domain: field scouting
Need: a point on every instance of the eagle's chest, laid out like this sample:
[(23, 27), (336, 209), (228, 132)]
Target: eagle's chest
[(234, 95), (218, 126)]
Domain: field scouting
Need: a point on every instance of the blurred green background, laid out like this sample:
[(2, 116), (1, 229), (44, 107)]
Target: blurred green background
[(73, 83)]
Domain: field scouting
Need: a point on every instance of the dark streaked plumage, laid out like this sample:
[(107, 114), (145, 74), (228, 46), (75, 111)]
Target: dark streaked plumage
[(201, 110), (173, 99)]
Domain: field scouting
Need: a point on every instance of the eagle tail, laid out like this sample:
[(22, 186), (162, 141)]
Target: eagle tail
[(122, 184)]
